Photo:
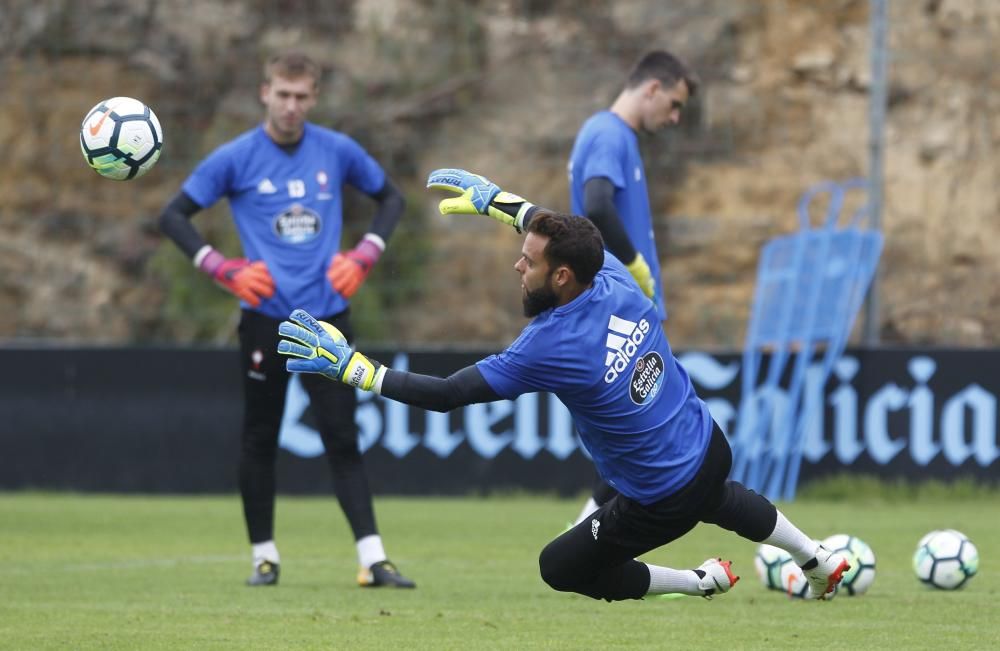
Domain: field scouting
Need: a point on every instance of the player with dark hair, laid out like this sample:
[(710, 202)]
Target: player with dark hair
[(597, 343), (608, 179), (284, 181)]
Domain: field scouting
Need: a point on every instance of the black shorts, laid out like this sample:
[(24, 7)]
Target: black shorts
[(595, 557), (265, 383), (636, 528)]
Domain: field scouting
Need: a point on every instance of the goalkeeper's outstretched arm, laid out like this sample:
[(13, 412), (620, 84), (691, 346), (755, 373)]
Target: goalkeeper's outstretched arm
[(480, 196), (466, 387), (318, 347)]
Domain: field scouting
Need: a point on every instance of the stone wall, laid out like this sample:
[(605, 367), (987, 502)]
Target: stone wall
[(501, 89)]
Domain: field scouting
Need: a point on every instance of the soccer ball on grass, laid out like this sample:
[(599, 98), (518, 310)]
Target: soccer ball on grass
[(945, 559), (796, 585), (121, 138), (860, 577), (769, 561), (777, 571)]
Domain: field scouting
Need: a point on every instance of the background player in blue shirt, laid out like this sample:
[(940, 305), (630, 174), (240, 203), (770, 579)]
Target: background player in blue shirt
[(607, 178), (284, 180), (596, 342)]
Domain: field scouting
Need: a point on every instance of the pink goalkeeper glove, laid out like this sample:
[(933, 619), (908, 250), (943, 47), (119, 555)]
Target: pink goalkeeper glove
[(349, 269), (249, 281)]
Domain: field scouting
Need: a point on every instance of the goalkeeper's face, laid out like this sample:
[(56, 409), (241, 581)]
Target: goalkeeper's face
[(662, 105), (538, 291), (536, 301), (287, 101)]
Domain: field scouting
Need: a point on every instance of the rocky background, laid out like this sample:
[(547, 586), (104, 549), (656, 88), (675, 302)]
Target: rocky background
[(501, 88)]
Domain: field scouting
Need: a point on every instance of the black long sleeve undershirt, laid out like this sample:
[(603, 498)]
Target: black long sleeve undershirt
[(465, 387), (390, 208), (175, 220), (175, 223), (599, 207)]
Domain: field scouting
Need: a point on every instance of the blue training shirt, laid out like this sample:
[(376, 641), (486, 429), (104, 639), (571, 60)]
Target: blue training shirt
[(288, 208), (605, 355), (608, 147)]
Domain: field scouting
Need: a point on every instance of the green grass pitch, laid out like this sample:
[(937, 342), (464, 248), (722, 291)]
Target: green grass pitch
[(117, 572)]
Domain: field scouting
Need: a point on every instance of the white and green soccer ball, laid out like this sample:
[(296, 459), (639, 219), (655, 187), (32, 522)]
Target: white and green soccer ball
[(796, 585), (769, 562), (860, 577), (794, 581), (778, 571), (121, 138), (945, 559)]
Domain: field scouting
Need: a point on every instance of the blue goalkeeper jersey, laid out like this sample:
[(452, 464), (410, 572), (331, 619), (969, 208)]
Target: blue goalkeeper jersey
[(607, 147), (288, 208), (606, 357)]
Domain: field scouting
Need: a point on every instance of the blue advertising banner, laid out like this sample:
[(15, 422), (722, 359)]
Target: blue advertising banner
[(168, 420)]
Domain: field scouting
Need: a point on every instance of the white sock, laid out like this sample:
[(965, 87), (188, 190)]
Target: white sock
[(788, 537), (588, 508), (664, 580), (265, 551), (370, 550)]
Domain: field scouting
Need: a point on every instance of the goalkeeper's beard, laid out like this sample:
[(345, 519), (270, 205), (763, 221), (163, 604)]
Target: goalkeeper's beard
[(536, 301)]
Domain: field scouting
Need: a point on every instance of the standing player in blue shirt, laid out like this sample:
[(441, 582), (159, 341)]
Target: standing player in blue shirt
[(284, 180), (597, 342), (607, 177)]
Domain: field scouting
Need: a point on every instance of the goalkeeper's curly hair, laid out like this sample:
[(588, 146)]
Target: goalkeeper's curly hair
[(573, 241)]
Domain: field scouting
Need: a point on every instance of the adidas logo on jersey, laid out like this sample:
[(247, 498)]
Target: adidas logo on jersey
[(623, 341), (266, 187)]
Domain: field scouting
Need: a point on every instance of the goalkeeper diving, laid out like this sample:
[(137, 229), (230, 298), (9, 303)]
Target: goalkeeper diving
[(595, 340)]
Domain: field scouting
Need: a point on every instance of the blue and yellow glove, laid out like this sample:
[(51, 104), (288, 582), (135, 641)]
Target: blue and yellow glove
[(479, 196), (321, 348), (643, 276)]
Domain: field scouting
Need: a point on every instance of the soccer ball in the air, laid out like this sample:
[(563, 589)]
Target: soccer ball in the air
[(859, 578), (945, 559), (121, 138)]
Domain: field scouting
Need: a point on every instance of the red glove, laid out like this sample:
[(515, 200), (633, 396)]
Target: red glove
[(248, 281), (349, 269)]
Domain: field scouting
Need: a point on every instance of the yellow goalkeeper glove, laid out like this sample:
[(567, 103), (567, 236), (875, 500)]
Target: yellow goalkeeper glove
[(479, 196), (640, 271), (321, 348)]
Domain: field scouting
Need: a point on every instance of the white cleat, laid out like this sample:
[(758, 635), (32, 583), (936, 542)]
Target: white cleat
[(718, 577), (826, 574)]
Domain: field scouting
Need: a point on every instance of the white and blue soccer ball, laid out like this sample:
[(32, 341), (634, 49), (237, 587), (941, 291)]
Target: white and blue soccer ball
[(945, 559), (121, 138), (859, 554)]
